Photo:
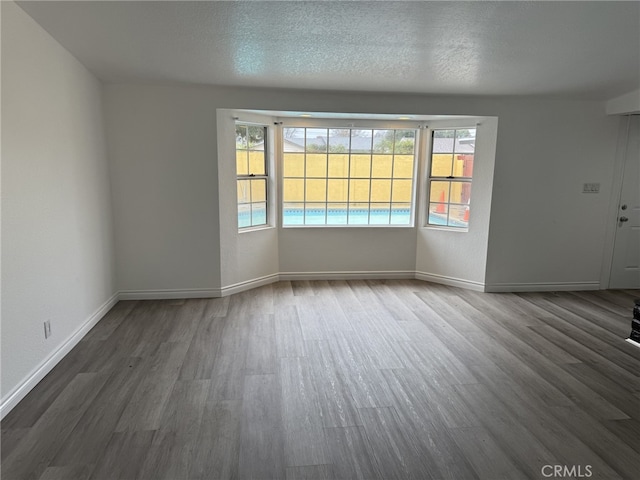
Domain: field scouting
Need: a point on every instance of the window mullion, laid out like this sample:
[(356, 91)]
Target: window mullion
[(304, 181), (370, 177), (349, 178), (326, 182)]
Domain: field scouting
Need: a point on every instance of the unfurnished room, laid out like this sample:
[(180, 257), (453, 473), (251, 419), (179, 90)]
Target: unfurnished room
[(320, 240)]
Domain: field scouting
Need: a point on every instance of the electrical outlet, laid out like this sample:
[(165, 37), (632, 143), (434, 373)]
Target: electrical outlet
[(47, 329), (591, 188)]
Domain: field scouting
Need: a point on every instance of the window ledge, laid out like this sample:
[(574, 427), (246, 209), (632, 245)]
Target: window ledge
[(256, 229), (445, 228), (350, 226)]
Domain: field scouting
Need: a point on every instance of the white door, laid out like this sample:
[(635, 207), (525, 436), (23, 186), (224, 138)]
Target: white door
[(625, 268)]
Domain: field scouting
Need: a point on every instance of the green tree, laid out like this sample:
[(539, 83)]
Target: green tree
[(395, 141), (463, 133), (248, 136)]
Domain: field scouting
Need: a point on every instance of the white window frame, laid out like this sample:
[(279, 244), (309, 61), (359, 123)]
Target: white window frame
[(428, 178), (266, 177), (288, 122)]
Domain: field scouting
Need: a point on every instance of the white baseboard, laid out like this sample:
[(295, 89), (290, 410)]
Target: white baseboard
[(170, 294), (364, 275), (37, 374), (633, 342), (248, 284), (451, 281), (542, 287)]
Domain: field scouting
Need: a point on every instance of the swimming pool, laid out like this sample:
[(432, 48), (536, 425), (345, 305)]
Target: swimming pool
[(294, 217)]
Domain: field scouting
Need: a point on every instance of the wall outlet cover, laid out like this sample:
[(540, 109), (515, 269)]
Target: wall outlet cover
[(591, 188)]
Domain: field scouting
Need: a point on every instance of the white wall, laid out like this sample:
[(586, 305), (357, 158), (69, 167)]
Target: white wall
[(244, 256), (57, 248), (543, 230), (162, 152), (455, 257), (624, 104)]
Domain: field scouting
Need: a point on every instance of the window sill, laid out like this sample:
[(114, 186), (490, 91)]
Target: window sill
[(349, 226), (444, 228), (256, 229)]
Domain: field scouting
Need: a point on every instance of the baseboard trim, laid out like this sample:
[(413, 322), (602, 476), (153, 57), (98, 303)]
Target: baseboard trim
[(633, 342), (363, 275), (451, 281), (542, 287), (37, 374), (248, 284), (170, 294)]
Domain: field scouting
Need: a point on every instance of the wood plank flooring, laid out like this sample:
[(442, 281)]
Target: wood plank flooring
[(340, 379)]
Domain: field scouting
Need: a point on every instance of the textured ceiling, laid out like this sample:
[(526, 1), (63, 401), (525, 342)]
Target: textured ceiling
[(589, 49)]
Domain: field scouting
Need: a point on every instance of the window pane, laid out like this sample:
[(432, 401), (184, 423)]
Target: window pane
[(244, 215), (241, 136), (383, 141), (316, 140), (381, 166), (401, 214), (339, 166), (259, 190), (460, 192), (402, 191), (293, 190), (244, 191), (405, 142), (293, 139), (403, 166), (465, 136), (316, 165), (293, 214), (458, 216), (438, 213), (293, 165), (463, 166), (380, 190), (441, 165), (361, 141), (337, 190), (242, 162), (315, 214), (336, 214), (255, 137), (379, 213), (360, 166), (256, 163), (439, 192), (358, 214), (339, 140), (258, 214), (358, 190), (443, 141), (316, 190)]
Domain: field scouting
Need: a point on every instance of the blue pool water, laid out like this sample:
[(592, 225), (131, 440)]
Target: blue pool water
[(294, 217), (341, 217), (333, 217)]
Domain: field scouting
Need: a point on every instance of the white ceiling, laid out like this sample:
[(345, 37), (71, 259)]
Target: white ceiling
[(586, 49)]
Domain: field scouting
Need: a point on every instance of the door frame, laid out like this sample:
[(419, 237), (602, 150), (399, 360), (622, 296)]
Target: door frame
[(624, 126)]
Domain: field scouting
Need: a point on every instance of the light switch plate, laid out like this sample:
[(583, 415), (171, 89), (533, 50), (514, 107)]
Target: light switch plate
[(591, 188)]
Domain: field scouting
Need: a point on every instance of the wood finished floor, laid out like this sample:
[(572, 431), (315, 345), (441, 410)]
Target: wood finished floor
[(340, 379)]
